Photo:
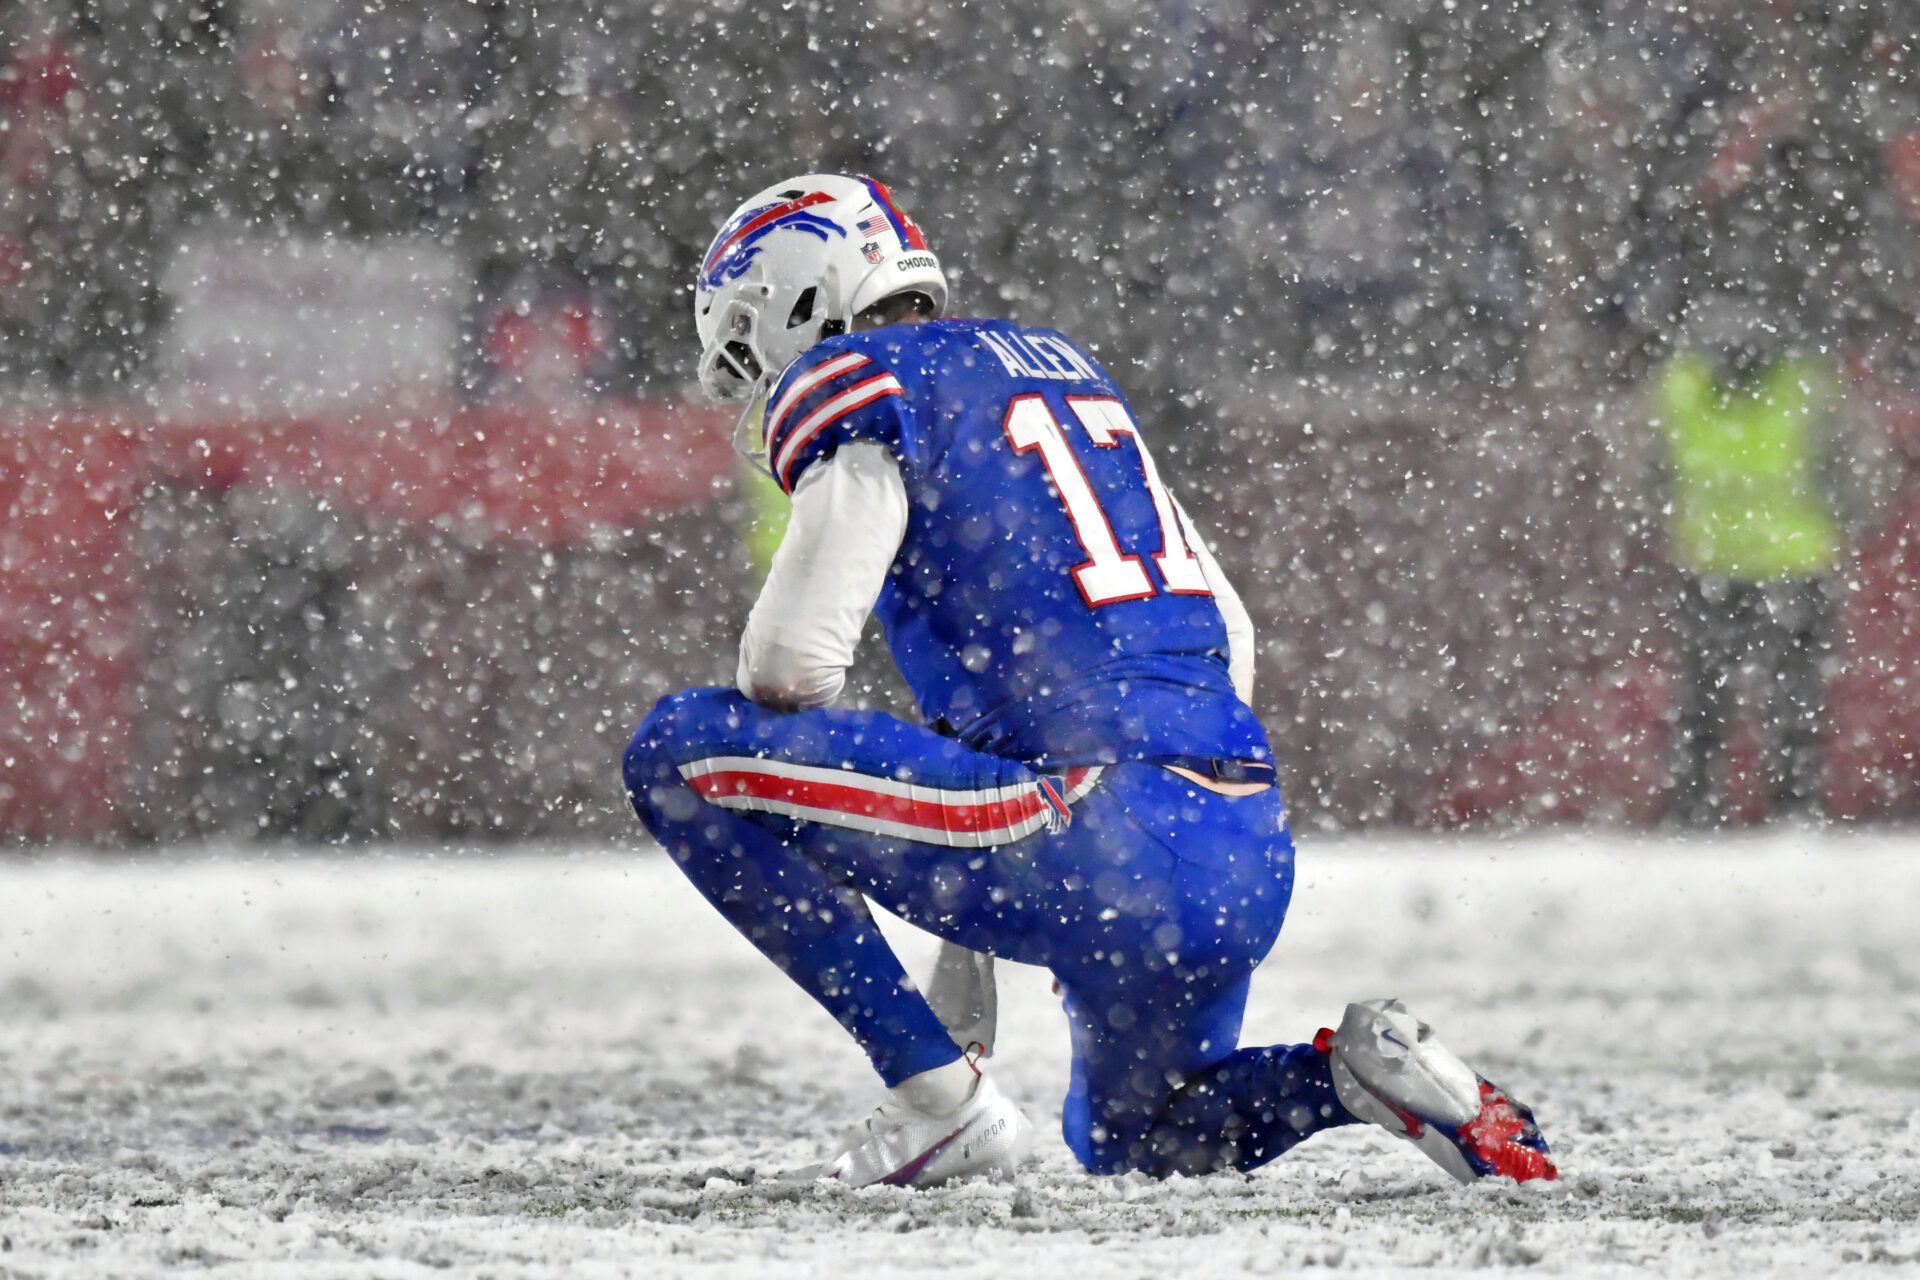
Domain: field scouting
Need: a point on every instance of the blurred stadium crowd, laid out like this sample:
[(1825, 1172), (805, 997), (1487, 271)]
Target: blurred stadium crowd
[(1392, 278), (1499, 193)]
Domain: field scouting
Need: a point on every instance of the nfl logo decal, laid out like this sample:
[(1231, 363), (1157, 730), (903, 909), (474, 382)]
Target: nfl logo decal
[(872, 251), (875, 226)]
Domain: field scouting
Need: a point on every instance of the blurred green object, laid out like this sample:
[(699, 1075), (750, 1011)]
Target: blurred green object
[(763, 519), (1744, 460)]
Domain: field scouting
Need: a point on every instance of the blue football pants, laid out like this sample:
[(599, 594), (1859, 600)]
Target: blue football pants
[(1150, 899)]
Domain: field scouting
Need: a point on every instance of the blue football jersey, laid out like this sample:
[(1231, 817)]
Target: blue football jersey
[(1045, 604)]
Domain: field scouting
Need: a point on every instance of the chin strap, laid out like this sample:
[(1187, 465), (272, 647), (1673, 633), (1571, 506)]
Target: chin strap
[(749, 430)]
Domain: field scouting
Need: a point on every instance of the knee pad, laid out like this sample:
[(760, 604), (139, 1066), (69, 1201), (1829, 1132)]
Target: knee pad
[(1076, 1127), (1104, 1159)]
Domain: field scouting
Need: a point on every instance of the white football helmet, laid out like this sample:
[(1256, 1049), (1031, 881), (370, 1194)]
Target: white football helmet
[(794, 265)]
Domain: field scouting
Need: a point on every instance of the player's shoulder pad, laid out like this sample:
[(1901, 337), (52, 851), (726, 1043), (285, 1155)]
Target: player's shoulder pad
[(846, 388)]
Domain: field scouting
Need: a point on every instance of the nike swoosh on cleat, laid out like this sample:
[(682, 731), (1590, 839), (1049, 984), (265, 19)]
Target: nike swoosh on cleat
[(1415, 1126), (906, 1173)]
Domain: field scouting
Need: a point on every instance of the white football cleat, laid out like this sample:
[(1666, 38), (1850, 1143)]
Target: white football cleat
[(1389, 1070), (903, 1146)]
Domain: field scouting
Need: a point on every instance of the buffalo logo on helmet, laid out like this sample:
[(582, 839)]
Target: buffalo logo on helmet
[(739, 243)]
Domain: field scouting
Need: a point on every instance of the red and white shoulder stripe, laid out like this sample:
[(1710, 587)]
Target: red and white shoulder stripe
[(848, 381)]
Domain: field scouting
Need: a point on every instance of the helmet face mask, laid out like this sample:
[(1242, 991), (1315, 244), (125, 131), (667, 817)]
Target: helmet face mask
[(794, 265), (733, 363)]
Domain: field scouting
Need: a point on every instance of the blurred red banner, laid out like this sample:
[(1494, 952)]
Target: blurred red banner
[(70, 586)]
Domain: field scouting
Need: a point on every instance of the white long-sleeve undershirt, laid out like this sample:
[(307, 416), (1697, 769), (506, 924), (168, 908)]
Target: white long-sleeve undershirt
[(849, 517)]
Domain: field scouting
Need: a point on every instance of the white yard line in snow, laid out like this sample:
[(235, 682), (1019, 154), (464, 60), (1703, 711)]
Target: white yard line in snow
[(552, 1065)]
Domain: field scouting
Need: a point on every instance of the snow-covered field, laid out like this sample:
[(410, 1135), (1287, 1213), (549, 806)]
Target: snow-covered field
[(563, 1065)]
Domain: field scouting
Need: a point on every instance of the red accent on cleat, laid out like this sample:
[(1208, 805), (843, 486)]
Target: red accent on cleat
[(1491, 1135), (1323, 1040)]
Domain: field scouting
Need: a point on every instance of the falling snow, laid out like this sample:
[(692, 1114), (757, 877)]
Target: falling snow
[(1545, 375)]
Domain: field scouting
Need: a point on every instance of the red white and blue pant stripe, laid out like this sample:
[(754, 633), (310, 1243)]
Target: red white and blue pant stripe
[(957, 817)]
